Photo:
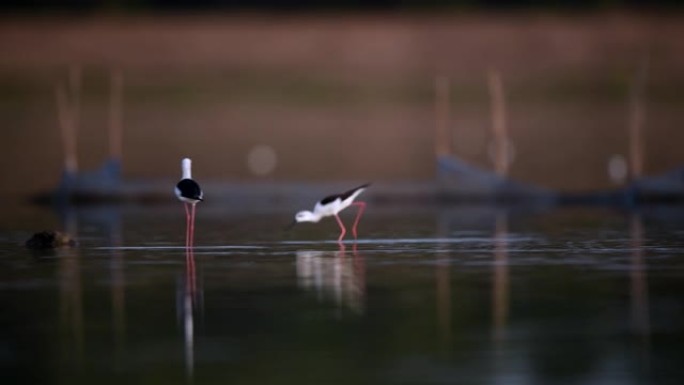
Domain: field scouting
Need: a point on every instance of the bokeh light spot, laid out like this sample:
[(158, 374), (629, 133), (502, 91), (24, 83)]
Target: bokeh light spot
[(617, 168), (262, 160)]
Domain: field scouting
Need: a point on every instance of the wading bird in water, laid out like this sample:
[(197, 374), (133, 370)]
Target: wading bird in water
[(331, 206), (190, 193)]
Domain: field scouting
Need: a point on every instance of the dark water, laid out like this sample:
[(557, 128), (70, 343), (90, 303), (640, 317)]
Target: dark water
[(470, 295)]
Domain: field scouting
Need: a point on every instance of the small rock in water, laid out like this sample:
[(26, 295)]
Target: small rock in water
[(50, 240)]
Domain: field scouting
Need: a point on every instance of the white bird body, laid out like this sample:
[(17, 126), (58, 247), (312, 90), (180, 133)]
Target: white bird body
[(332, 205)]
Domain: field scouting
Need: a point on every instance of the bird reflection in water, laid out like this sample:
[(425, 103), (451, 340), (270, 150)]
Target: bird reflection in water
[(334, 275), (187, 303)]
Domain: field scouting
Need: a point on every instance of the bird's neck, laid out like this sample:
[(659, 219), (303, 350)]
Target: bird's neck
[(310, 216), (187, 171), (315, 217)]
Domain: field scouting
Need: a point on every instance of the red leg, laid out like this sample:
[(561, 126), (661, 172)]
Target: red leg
[(192, 227), (343, 230), (187, 225), (362, 207)]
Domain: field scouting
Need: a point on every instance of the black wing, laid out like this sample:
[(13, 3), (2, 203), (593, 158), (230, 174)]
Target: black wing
[(329, 199), (189, 189), (344, 195)]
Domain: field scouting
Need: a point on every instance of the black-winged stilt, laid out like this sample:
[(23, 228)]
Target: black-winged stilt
[(331, 206), (190, 193)]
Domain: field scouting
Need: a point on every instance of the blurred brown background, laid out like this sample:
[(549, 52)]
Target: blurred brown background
[(341, 96)]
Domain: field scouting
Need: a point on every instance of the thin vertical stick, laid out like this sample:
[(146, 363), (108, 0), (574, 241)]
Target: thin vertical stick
[(498, 110), (637, 117), (442, 137), (115, 114), (75, 91), (66, 127)]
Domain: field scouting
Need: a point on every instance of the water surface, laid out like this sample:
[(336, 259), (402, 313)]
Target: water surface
[(426, 296)]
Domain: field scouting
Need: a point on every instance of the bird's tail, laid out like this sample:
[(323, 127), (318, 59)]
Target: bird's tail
[(355, 191)]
